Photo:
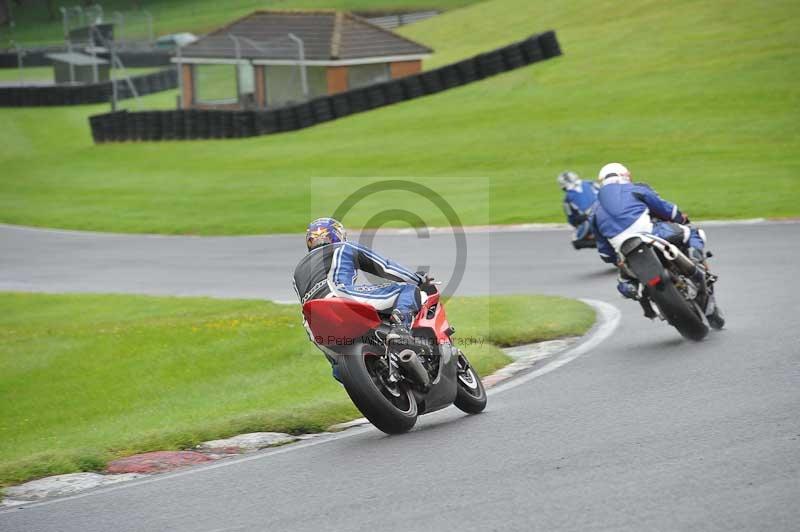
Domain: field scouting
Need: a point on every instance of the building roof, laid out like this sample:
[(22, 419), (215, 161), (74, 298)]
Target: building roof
[(326, 36), (77, 59)]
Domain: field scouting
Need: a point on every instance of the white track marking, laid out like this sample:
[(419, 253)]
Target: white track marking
[(608, 318)]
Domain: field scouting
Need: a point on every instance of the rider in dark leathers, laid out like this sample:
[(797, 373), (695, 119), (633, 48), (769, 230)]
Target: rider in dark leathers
[(330, 269)]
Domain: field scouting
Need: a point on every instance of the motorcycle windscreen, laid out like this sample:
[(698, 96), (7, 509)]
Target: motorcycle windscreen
[(337, 321)]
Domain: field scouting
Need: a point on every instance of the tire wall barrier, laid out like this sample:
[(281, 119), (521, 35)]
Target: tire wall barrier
[(34, 96), (202, 124)]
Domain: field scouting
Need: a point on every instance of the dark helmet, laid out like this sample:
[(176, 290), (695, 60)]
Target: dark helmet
[(324, 231)]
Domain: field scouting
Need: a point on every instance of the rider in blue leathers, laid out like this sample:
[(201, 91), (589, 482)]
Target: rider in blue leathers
[(624, 209), (579, 196)]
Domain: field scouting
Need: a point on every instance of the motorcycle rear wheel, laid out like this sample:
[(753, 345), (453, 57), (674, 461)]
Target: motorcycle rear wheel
[(391, 407), (470, 395), (677, 310)]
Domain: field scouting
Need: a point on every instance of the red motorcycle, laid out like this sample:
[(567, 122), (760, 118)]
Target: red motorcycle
[(393, 385)]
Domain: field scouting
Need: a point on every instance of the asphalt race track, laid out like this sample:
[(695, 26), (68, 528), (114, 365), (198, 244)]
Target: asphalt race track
[(646, 432)]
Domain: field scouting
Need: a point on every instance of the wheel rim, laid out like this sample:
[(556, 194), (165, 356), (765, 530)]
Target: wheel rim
[(395, 393), (467, 377)]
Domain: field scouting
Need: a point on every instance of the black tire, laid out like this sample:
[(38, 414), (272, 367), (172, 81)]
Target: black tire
[(370, 395), (678, 312), (470, 395)]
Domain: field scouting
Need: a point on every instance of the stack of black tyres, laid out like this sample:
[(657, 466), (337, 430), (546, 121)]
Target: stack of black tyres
[(513, 56), (549, 44), (226, 117), (96, 125), (340, 105), (287, 120), (412, 87), (215, 126), (393, 91), (193, 124), (305, 115), (322, 109), (358, 100), (375, 96), (266, 122), (168, 129), (490, 63), (119, 125)]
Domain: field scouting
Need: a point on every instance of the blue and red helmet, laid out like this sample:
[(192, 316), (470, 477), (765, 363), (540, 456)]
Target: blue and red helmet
[(324, 231)]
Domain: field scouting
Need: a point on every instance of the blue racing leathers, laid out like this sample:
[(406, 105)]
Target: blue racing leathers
[(332, 270), (578, 202), (626, 209)]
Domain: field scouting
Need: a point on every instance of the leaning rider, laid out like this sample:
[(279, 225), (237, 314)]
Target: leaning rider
[(579, 196), (625, 209), (331, 267)]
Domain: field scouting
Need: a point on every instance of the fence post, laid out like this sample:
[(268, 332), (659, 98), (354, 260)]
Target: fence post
[(150, 34), (238, 51), (93, 48), (302, 55), (179, 57), (119, 23), (20, 66)]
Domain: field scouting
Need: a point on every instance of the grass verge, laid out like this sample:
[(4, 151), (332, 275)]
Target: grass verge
[(87, 378)]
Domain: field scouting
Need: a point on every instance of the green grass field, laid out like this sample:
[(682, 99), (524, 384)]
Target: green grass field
[(46, 73), (699, 99), (33, 23), (85, 378)]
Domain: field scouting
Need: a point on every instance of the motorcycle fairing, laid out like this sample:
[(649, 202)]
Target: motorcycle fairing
[(339, 321), (432, 316)]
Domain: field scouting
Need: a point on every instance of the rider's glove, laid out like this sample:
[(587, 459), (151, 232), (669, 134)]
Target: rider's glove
[(425, 279)]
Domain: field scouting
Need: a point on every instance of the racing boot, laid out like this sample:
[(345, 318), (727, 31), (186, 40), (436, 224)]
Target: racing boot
[(399, 336), (698, 256), (629, 288)]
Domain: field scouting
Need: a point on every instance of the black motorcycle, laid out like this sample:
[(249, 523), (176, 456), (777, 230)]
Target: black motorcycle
[(583, 237), (667, 288)]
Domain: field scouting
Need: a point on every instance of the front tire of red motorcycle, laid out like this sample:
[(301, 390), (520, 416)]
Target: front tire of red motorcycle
[(470, 395), (372, 396)]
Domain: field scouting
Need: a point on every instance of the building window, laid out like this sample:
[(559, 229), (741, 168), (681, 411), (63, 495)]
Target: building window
[(363, 75), (284, 84), (216, 84)]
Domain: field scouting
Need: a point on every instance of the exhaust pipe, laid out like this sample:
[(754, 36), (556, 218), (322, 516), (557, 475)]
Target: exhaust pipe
[(409, 361), (685, 264), (672, 253)]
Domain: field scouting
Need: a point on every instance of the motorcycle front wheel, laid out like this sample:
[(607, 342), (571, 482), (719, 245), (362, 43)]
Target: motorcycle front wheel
[(391, 407), (470, 395)]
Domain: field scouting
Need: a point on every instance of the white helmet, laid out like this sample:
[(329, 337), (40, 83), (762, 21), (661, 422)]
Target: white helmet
[(614, 173)]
